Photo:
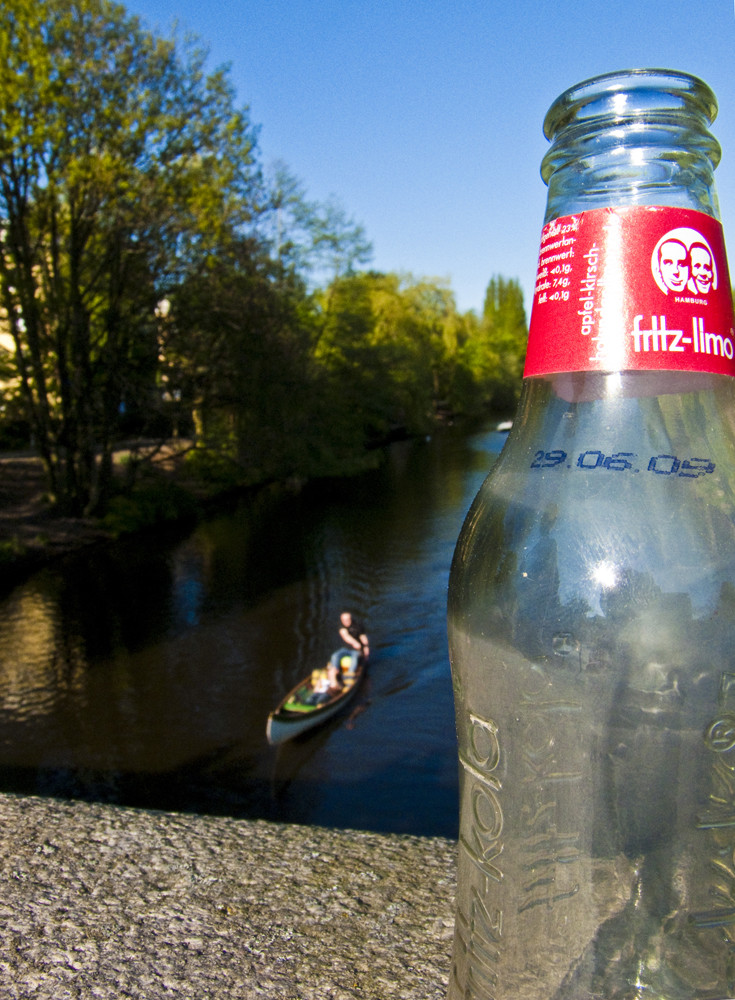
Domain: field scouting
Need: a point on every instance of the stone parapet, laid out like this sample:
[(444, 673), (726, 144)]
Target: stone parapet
[(105, 902)]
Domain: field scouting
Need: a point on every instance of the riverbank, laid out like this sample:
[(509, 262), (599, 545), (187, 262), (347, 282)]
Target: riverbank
[(102, 902), (31, 534)]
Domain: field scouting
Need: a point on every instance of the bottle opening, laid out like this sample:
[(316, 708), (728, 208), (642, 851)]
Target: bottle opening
[(630, 94), (647, 124)]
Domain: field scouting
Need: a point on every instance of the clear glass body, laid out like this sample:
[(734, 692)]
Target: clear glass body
[(592, 627)]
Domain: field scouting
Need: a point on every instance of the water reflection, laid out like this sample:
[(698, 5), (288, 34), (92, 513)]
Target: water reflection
[(144, 673), (29, 635)]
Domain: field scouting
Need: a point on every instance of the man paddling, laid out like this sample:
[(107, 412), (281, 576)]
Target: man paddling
[(355, 642)]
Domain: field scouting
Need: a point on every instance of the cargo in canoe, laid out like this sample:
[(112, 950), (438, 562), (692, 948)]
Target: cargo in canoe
[(296, 714)]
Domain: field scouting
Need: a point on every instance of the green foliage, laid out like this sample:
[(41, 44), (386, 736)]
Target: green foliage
[(312, 238), (495, 349), (11, 550), (385, 340), (148, 505), (121, 164), (215, 465), (151, 278)]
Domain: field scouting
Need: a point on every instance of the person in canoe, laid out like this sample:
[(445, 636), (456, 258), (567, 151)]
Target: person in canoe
[(355, 642), (324, 684)]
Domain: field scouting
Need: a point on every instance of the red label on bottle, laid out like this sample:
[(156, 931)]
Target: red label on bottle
[(642, 288)]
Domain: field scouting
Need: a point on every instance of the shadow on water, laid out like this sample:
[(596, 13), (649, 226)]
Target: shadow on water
[(143, 674)]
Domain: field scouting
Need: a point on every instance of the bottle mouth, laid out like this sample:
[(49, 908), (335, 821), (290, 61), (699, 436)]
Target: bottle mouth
[(657, 108), (631, 94)]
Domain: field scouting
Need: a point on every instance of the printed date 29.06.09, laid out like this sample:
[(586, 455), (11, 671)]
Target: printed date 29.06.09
[(625, 461)]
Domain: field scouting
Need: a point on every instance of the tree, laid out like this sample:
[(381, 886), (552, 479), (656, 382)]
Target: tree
[(318, 238), (415, 331), (496, 348), (121, 167), (237, 349), (506, 329), (388, 342)]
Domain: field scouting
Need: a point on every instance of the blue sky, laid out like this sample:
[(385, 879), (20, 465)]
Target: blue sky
[(423, 119)]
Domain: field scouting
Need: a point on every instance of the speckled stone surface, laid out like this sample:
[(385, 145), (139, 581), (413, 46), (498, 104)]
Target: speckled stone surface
[(104, 902)]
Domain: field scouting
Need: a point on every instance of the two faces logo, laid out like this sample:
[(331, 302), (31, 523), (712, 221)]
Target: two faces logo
[(682, 261)]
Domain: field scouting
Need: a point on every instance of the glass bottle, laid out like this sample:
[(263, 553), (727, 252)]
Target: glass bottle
[(591, 603)]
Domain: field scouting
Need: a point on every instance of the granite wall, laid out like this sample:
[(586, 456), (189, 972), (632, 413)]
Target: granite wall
[(104, 902)]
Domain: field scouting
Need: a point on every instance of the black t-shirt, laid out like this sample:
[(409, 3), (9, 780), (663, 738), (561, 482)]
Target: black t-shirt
[(355, 631)]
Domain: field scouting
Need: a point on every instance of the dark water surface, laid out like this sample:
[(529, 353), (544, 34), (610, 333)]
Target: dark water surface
[(144, 674)]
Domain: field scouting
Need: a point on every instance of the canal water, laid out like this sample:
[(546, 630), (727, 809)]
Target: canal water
[(143, 674)]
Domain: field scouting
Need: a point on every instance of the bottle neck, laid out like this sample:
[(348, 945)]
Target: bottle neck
[(635, 138)]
